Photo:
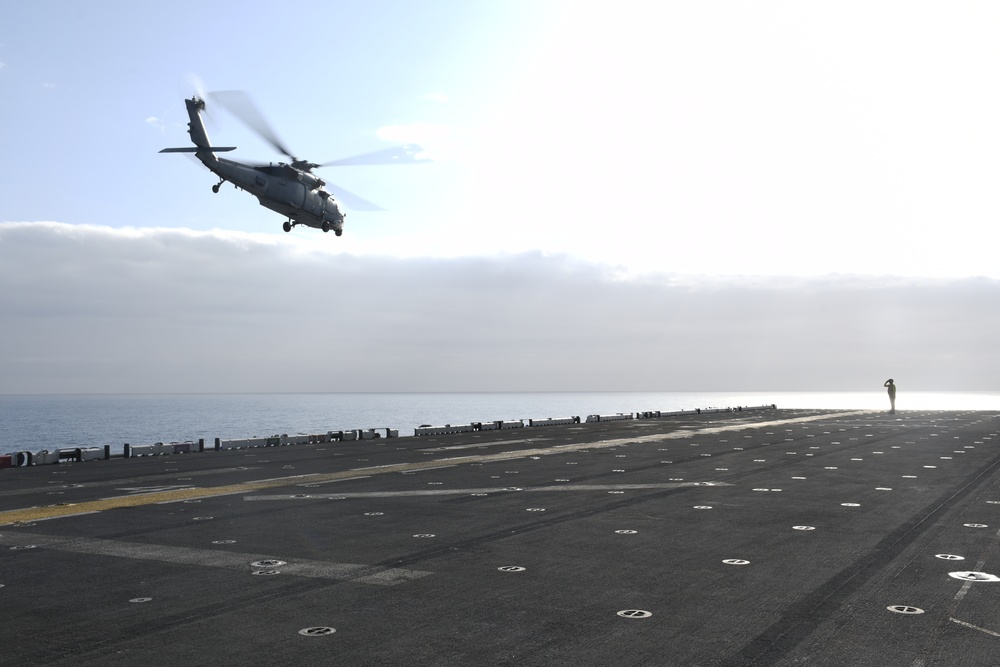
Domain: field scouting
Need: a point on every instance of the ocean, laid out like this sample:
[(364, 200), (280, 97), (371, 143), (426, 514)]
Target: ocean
[(36, 422)]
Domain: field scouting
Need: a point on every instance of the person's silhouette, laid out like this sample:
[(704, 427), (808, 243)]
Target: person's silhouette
[(892, 395)]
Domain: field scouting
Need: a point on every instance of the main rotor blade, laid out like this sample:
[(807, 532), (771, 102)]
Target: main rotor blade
[(405, 154), (351, 200), (241, 106)]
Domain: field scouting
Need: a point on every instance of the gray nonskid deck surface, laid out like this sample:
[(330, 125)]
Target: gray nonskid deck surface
[(775, 537)]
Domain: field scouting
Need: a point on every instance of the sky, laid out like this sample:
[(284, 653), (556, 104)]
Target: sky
[(620, 196)]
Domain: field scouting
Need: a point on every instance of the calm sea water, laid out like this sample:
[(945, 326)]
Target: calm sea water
[(46, 422)]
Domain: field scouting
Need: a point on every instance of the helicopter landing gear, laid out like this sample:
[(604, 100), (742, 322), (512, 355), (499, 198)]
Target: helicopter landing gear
[(326, 226), (287, 226), (215, 188), (338, 232)]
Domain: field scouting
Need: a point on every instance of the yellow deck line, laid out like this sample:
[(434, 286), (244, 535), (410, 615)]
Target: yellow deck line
[(89, 507), (138, 500)]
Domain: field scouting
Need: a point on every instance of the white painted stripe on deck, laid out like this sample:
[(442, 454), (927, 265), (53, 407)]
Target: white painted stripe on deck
[(476, 445), (280, 479), (975, 627), (365, 574), (49, 518), (495, 489), (658, 437), (331, 481)]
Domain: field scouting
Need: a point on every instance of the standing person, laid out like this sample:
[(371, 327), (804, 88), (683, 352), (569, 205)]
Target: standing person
[(892, 395)]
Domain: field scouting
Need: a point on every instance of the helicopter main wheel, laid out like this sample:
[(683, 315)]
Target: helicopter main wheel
[(287, 226), (326, 227), (215, 188)]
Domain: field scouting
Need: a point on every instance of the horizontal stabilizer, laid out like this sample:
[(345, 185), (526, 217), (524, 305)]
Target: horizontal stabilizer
[(195, 149)]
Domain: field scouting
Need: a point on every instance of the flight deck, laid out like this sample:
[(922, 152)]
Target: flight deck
[(751, 537)]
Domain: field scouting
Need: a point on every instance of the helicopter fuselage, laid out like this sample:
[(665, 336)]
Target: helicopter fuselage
[(294, 192)]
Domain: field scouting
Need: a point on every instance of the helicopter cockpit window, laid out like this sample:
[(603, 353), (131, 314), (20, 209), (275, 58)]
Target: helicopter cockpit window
[(260, 180)]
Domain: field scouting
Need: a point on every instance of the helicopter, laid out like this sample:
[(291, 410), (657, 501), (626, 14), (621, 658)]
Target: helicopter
[(291, 188)]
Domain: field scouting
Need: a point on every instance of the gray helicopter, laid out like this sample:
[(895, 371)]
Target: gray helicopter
[(289, 189)]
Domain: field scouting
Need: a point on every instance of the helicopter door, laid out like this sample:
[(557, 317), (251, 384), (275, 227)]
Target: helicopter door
[(313, 204), (289, 192)]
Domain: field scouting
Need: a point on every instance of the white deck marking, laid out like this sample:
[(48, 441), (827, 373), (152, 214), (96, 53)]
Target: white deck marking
[(658, 437), (331, 481), (975, 627), (495, 489), (280, 479), (365, 574), (137, 490), (476, 445)]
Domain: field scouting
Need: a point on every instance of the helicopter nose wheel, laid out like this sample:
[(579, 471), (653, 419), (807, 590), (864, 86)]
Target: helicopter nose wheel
[(338, 232), (287, 226), (326, 227)]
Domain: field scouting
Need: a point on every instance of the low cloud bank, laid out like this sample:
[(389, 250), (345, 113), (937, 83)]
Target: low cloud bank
[(99, 309)]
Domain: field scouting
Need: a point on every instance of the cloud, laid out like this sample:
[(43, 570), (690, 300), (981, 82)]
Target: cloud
[(100, 309)]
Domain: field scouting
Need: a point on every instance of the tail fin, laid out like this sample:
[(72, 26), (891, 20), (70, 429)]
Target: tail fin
[(197, 149), (196, 128)]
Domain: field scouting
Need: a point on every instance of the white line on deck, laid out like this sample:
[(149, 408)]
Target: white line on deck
[(975, 627), (331, 481), (477, 445), (365, 574), (507, 489)]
